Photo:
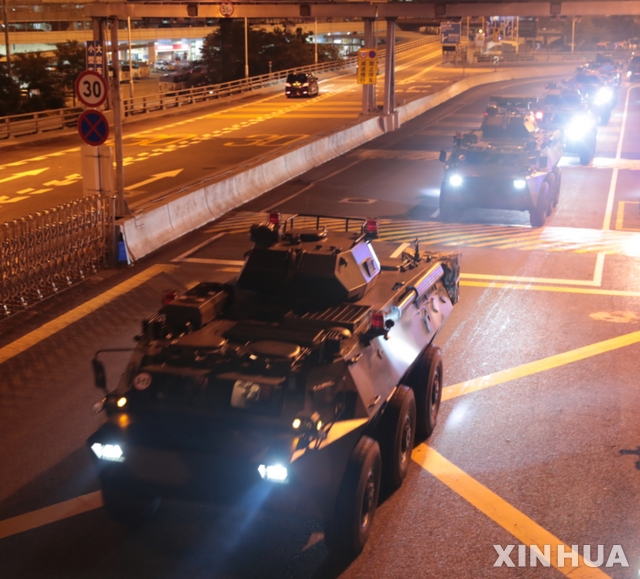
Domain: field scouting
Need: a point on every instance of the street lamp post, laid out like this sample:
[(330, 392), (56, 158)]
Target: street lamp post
[(315, 40), (246, 47), (6, 36)]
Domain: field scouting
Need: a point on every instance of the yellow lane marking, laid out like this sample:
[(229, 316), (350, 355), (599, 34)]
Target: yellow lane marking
[(526, 280), (51, 514), (551, 288), (530, 368), (515, 522), (620, 215), (50, 328)]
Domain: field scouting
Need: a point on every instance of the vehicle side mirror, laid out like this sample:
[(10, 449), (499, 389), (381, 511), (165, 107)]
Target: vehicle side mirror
[(99, 374), (443, 156), (542, 163)]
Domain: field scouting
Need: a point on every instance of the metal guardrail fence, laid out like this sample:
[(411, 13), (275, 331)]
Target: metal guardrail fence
[(545, 57), (44, 253), (32, 123)]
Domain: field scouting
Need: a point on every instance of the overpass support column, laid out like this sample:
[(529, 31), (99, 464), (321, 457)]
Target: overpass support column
[(368, 90), (390, 68)]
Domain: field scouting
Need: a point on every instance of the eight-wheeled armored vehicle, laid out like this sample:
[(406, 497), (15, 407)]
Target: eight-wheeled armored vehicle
[(509, 163), (599, 92), (562, 108), (301, 385)]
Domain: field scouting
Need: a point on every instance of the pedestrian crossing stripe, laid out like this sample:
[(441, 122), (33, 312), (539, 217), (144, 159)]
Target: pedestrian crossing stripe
[(550, 239)]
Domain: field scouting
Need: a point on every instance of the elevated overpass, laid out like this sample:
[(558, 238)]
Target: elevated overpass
[(375, 10)]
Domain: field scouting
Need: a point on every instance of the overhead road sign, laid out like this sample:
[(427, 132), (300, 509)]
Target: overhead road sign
[(227, 9), (450, 32), (93, 127), (91, 88)]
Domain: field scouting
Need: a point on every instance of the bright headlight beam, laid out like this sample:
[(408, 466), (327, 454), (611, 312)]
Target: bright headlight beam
[(274, 473), (455, 180), (519, 183), (111, 452), (603, 96), (579, 127)]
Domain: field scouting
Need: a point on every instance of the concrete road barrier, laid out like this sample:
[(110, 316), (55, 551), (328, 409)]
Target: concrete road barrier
[(195, 206)]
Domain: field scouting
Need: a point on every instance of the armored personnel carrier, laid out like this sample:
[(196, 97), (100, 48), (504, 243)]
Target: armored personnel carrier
[(509, 163), (599, 91), (562, 108), (301, 385)]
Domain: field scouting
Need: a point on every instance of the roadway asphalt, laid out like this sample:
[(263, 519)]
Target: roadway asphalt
[(170, 152), (538, 438)]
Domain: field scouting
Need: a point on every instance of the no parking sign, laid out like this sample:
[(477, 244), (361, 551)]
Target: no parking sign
[(93, 127)]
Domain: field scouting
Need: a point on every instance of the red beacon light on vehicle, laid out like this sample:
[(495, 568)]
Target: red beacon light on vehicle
[(377, 320), (169, 296), (371, 228), (274, 218)]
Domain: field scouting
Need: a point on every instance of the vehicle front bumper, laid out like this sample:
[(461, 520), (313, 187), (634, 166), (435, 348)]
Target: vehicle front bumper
[(155, 467), (488, 193)]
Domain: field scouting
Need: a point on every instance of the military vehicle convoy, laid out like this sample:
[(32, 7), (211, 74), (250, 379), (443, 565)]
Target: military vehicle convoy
[(301, 385), (509, 163), (562, 108)]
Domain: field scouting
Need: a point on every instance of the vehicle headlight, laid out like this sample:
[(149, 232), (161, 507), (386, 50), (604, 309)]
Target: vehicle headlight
[(274, 473), (628, 73), (519, 183), (112, 452), (603, 96), (579, 127), (455, 180)]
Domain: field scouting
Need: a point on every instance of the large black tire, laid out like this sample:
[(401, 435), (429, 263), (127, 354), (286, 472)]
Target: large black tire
[(557, 186), (397, 437), (425, 379), (347, 530), (538, 215), (126, 506), (586, 156), (448, 211)]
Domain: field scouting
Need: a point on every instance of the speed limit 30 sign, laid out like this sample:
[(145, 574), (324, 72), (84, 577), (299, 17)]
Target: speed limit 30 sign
[(91, 89)]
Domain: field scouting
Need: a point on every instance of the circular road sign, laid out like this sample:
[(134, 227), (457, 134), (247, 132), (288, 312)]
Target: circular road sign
[(93, 127), (91, 89), (226, 9)]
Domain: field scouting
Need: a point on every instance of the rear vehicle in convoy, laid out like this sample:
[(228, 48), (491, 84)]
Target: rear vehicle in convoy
[(562, 108), (633, 68), (301, 84), (300, 386), (509, 163), (600, 94)]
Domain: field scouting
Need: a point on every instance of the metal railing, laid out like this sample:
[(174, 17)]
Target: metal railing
[(44, 253), (33, 123), (544, 57)]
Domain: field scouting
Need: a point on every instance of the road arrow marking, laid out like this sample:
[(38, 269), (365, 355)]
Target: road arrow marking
[(155, 177), (24, 174)]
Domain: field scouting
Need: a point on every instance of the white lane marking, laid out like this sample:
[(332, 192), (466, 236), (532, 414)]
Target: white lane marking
[(400, 249), (614, 175), (50, 514)]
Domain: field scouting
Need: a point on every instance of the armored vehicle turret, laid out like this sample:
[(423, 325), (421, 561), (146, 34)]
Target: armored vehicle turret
[(301, 385), (509, 163)]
